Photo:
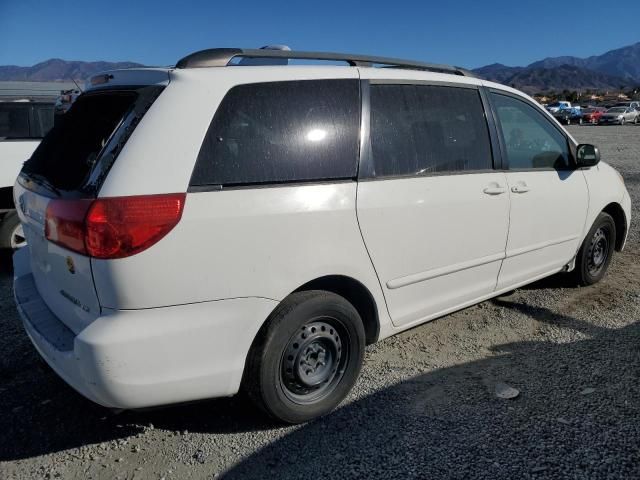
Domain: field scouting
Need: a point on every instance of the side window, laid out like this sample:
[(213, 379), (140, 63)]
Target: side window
[(14, 120), (282, 132), (531, 140), (421, 129)]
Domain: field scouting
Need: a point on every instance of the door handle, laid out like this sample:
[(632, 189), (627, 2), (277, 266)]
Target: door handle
[(519, 189), (494, 190)]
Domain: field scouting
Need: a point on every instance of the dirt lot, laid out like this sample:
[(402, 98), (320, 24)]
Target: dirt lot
[(424, 407)]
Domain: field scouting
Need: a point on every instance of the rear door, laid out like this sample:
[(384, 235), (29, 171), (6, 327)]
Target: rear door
[(62, 176), (432, 210), (549, 198)]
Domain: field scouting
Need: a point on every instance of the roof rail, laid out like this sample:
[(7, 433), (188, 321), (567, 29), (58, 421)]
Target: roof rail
[(222, 57)]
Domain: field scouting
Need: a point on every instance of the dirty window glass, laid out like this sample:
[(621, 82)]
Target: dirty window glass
[(420, 129), (67, 155), (282, 132), (530, 139), (43, 119)]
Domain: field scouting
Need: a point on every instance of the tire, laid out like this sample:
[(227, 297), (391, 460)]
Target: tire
[(622, 121), (580, 121), (596, 252), (294, 375), (11, 234)]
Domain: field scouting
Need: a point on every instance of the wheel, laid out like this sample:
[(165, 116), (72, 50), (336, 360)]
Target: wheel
[(579, 121), (307, 357), (635, 121), (595, 254), (11, 233), (568, 121), (622, 121)]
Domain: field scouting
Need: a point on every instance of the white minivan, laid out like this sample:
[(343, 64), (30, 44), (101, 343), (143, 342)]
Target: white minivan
[(220, 227)]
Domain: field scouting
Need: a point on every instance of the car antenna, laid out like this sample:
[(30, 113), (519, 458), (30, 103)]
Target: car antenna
[(78, 86)]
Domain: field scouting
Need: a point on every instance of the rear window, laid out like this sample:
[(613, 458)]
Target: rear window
[(82, 145), (282, 132)]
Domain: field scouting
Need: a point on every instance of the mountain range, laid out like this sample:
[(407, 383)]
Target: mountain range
[(56, 69), (609, 71)]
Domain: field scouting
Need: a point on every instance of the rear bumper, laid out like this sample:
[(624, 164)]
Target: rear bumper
[(143, 358)]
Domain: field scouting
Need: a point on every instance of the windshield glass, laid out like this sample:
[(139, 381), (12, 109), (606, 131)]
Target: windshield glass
[(616, 110)]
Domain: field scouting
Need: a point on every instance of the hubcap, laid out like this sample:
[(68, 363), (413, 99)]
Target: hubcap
[(598, 251), (17, 238), (313, 361)]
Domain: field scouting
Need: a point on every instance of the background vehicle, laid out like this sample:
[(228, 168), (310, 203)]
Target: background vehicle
[(569, 115), (314, 210), (592, 114), (22, 124), (554, 107), (619, 116), (64, 102), (633, 105)]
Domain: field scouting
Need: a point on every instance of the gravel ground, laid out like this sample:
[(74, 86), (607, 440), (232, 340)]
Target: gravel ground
[(424, 407)]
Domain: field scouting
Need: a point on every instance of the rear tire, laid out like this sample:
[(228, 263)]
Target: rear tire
[(307, 358), (596, 252), (11, 233)]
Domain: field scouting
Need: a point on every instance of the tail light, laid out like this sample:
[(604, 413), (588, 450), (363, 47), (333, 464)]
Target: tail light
[(115, 227)]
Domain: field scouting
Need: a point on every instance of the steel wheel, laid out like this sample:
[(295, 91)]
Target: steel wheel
[(598, 252), (313, 361)]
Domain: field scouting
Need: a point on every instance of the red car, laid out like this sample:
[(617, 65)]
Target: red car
[(592, 114)]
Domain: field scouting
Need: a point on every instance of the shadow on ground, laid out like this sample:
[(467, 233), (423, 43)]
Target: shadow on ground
[(577, 416)]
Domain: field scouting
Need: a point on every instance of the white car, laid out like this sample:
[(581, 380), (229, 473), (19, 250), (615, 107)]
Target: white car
[(22, 126), (198, 230)]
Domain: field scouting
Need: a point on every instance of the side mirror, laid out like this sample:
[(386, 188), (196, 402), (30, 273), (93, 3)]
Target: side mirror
[(587, 155)]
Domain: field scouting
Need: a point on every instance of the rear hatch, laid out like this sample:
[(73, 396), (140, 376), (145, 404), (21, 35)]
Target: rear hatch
[(62, 178)]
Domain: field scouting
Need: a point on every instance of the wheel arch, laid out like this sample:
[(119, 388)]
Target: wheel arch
[(619, 218), (356, 294)]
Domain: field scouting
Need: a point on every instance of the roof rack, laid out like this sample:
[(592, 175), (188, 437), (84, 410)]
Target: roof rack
[(222, 57)]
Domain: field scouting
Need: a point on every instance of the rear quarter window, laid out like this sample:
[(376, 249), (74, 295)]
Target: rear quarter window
[(281, 132)]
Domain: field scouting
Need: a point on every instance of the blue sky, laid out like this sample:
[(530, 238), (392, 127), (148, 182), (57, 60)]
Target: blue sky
[(460, 32)]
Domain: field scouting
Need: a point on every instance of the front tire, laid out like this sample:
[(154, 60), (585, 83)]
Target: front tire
[(11, 233), (596, 252), (307, 358)]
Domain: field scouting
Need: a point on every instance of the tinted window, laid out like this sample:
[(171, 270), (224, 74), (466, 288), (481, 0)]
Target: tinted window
[(419, 129), (14, 120), (282, 132), (78, 151), (531, 140)]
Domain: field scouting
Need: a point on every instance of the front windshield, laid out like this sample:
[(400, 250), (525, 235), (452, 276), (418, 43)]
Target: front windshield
[(616, 110)]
